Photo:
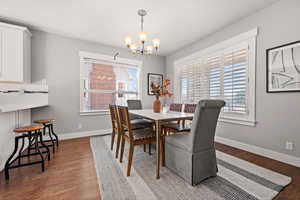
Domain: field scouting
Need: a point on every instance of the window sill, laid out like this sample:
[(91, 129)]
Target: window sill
[(238, 121), (89, 113)]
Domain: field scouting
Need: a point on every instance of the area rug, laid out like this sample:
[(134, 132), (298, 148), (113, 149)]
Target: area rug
[(236, 180)]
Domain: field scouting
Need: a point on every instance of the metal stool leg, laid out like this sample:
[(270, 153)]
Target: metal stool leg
[(20, 151), (29, 145), (6, 168), (52, 132), (51, 138), (45, 146), (38, 150)]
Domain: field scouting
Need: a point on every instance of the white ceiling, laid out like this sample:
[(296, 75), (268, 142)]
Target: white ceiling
[(176, 22)]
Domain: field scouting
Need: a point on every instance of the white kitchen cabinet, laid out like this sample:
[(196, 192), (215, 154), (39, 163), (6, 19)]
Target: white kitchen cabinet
[(15, 53)]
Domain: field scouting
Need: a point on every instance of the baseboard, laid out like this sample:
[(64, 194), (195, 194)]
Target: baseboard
[(292, 160), (67, 136)]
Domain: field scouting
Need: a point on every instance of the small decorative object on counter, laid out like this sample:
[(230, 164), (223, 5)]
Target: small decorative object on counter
[(160, 91)]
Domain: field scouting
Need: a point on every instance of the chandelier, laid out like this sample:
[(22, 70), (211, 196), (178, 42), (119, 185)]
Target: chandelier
[(143, 48)]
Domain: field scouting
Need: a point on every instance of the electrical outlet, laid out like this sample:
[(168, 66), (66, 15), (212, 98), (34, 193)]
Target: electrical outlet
[(79, 126), (289, 145)]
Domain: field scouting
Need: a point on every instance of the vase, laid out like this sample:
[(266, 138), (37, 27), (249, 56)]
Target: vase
[(156, 105)]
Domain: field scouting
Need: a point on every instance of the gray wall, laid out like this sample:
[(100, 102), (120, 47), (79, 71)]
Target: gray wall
[(56, 59), (278, 115)]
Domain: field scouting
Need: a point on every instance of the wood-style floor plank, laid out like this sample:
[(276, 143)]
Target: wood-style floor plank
[(71, 175)]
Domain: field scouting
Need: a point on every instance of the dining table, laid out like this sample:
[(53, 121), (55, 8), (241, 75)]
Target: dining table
[(159, 119)]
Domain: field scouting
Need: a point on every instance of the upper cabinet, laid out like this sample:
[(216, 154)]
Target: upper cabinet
[(15, 53)]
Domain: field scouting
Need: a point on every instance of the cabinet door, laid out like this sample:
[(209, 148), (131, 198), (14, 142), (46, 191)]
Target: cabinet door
[(1, 52), (12, 55)]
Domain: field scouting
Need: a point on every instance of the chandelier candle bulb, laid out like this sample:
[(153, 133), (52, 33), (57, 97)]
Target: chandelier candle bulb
[(149, 49), (128, 41), (133, 48), (140, 49), (156, 42), (143, 37)]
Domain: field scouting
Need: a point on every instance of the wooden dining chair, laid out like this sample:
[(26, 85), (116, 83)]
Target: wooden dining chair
[(176, 107), (181, 125), (133, 137), (136, 104), (115, 128)]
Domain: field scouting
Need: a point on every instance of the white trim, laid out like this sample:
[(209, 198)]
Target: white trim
[(1, 52), (292, 160), (105, 58), (97, 56), (100, 112), (221, 45), (21, 28), (67, 136), (233, 120)]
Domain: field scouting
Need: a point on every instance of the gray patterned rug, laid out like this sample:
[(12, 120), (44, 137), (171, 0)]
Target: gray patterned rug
[(237, 179)]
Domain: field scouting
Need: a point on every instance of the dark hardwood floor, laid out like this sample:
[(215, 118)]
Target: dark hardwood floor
[(71, 175)]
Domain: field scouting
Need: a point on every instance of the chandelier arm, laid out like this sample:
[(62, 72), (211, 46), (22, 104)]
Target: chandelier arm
[(142, 23)]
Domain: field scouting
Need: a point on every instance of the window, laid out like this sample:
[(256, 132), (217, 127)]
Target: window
[(225, 71), (105, 81)]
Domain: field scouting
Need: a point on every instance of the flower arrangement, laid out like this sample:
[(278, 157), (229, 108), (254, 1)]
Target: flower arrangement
[(162, 91), (158, 91)]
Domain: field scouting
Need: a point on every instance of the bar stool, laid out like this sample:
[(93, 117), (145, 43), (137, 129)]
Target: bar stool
[(34, 135), (48, 124)]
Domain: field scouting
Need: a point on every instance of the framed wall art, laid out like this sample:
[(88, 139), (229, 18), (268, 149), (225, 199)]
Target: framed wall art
[(283, 68), (156, 79)]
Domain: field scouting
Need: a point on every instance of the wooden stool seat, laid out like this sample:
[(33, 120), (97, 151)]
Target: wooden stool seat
[(30, 128), (44, 121)]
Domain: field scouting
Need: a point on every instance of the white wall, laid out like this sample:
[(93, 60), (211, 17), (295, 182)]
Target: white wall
[(277, 115), (56, 59)]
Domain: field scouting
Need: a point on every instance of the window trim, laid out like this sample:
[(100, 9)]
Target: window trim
[(248, 119), (110, 59)]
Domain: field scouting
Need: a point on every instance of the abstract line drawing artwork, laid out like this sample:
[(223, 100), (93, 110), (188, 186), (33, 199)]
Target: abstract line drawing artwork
[(283, 68)]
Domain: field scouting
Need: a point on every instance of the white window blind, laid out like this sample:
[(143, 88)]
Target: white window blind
[(219, 76), (235, 80)]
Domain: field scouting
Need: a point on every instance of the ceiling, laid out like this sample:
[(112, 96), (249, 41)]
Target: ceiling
[(176, 22)]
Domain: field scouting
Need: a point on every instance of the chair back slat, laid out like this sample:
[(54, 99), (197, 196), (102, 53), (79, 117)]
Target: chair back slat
[(114, 117), (190, 108), (176, 107), (125, 120), (134, 104)]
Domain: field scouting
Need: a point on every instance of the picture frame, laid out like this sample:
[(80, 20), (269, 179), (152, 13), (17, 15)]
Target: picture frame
[(156, 79), (283, 68)]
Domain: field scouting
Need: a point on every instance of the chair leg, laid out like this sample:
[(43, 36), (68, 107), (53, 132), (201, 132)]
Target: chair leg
[(118, 144), (162, 147), (112, 140), (150, 149), (144, 147), (130, 156), (122, 149)]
